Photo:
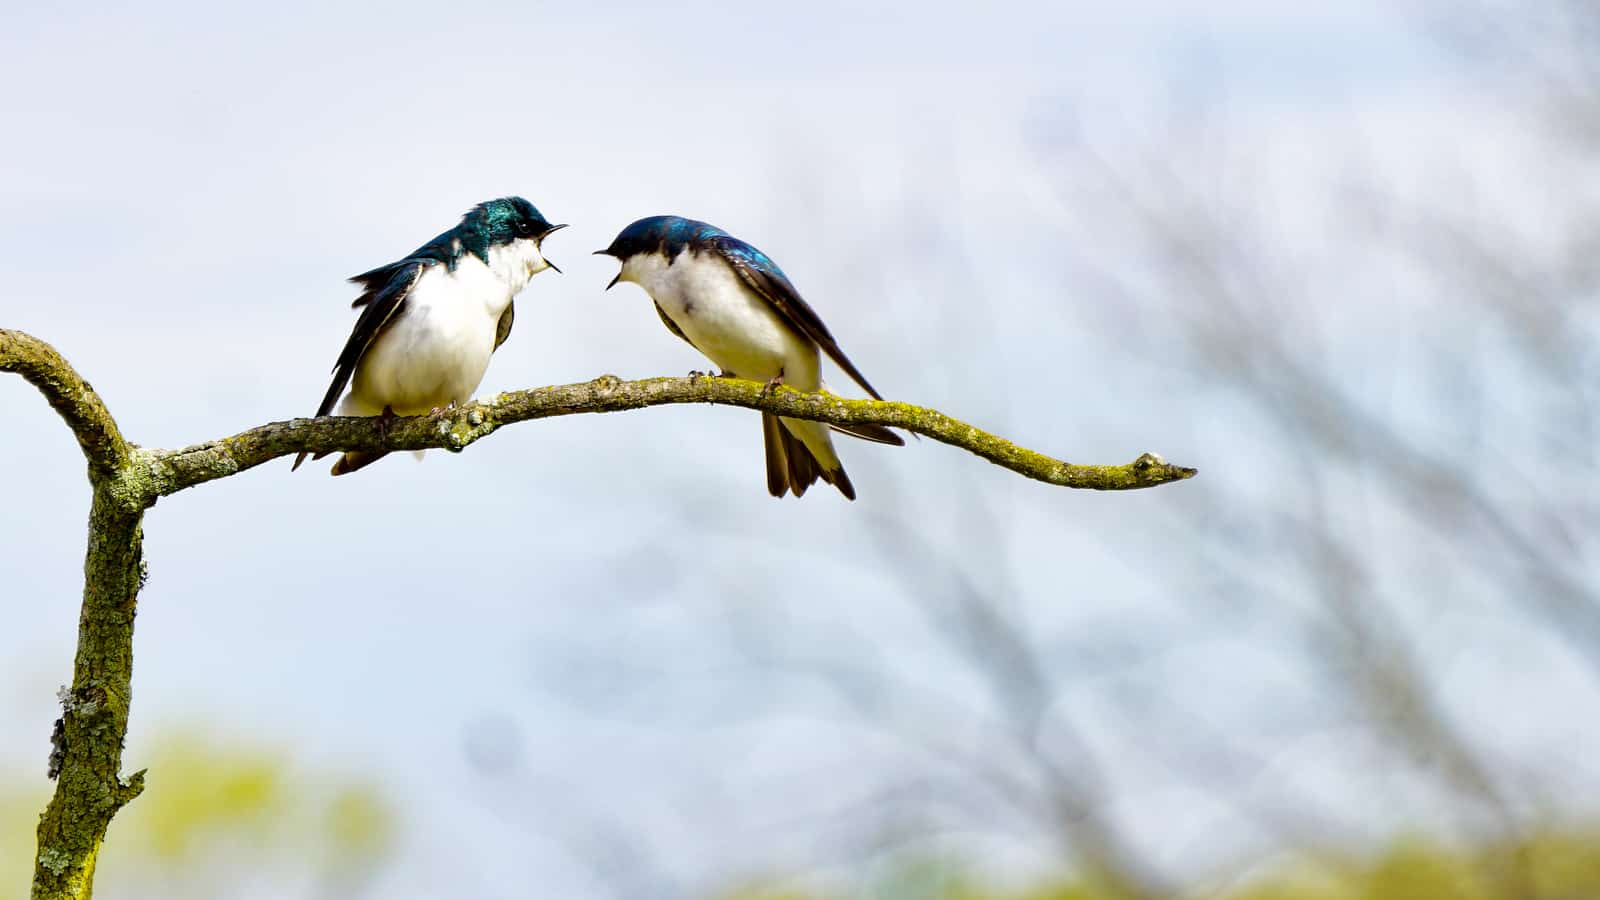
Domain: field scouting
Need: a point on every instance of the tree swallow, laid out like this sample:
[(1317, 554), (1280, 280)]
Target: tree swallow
[(732, 303), (433, 319)]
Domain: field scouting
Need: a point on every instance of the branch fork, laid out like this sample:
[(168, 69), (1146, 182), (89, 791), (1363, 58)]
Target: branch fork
[(86, 746)]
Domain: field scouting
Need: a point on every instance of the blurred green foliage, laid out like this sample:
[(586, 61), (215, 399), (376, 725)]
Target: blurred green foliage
[(216, 814), (1554, 863)]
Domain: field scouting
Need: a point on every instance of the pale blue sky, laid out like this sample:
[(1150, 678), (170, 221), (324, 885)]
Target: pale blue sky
[(187, 186)]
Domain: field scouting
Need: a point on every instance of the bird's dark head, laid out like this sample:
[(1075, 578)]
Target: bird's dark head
[(666, 236), (506, 220)]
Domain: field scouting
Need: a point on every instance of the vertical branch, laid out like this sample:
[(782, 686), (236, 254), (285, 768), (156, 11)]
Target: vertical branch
[(86, 747), (86, 756)]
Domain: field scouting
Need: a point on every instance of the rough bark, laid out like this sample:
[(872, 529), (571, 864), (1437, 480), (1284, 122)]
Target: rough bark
[(86, 754), (174, 470), (86, 746)]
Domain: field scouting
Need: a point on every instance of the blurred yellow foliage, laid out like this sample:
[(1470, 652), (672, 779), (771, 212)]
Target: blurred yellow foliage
[(360, 822), (202, 793), (1558, 864), (212, 813)]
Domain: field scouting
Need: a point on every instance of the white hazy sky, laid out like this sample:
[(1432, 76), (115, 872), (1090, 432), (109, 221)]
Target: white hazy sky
[(185, 187)]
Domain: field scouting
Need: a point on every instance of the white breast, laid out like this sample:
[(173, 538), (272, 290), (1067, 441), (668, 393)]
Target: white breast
[(438, 349), (724, 318), (516, 263)]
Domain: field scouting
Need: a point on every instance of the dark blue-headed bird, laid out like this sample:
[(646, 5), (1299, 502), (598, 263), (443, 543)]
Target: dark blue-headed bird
[(432, 320), (732, 303)]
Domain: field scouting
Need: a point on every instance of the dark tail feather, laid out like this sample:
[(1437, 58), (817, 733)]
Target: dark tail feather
[(777, 462), (803, 468), (350, 462), (877, 434), (790, 465), (841, 481)]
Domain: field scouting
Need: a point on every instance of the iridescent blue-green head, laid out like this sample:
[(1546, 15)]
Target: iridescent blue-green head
[(666, 236), (500, 222)]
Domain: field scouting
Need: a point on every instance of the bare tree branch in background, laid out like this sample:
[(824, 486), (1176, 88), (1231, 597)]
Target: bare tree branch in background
[(1448, 476), (1379, 520)]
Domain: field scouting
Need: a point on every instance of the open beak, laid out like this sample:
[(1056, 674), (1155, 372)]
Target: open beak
[(619, 271), (551, 230)]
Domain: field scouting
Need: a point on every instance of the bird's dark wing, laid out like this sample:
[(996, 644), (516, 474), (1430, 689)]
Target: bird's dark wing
[(502, 329), (763, 276), (384, 296), (673, 326), (445, 249)]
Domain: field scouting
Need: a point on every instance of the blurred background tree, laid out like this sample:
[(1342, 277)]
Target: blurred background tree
[(1347, 268), (1354, 660), (230, 820)]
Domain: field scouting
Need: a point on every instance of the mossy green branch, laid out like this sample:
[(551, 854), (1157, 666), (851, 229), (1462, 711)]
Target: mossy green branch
[(86, 748), (74, 400), (86, 757), (174, 470)]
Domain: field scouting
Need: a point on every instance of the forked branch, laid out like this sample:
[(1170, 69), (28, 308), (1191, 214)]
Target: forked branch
[(86, 758)]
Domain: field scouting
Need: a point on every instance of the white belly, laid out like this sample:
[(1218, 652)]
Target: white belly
[(738, 329), (438, 349), (727, 321)]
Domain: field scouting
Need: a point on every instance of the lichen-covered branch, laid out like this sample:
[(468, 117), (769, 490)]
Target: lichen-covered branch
[(174, 470), (86, 754), (74, 400), (86, 757)]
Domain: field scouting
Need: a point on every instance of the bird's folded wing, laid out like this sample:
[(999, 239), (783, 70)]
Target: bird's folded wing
[(764, 277), (385, 295), (673, 326), (502, 329)]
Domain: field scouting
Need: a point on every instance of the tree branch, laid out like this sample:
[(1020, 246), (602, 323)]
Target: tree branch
[(86, 757), (86, 753), (74, 400), (174, 470), (86, 748)]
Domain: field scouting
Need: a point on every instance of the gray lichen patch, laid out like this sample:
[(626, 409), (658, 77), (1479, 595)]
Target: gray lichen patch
[(56, 861)]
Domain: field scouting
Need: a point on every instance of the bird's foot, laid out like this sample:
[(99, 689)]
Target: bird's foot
[(385, 419), (695, 375), (438, 412), (771, 385)]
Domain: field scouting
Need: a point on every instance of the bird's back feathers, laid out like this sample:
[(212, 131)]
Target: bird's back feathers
[(763, 276)]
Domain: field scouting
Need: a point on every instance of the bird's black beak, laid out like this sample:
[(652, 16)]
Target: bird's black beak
[(607, 252), (547, 232)]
